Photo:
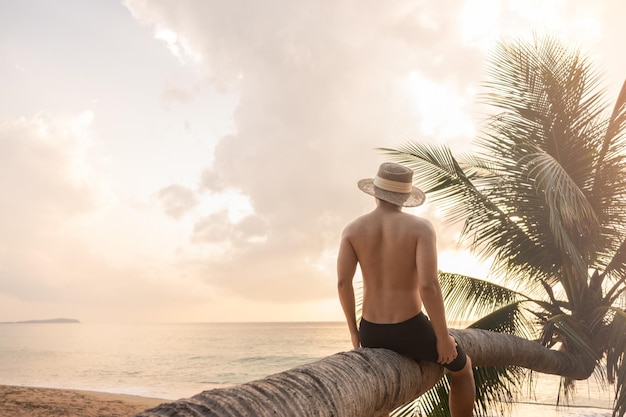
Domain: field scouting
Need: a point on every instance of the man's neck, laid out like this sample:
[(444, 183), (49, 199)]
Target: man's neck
[(386, 206)]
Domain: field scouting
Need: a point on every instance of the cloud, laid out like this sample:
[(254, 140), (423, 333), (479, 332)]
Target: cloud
[(42, 187), (177, 200), (70, 248), (320, 86), (218, 228), (41, 161), (296, 95)]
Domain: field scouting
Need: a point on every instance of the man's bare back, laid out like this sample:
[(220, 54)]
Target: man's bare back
[(398, 258), (386, 243)]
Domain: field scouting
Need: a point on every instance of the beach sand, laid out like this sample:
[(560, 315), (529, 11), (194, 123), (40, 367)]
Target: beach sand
[(47, 402)]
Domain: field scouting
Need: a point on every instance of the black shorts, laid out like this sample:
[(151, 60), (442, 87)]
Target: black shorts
[(414, 338)]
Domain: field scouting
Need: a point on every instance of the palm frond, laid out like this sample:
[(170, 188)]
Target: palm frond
[(358, 299), (433, 403), (551, 106), (617, 268), (574, 340), (609, 185), (574, 337), (493, 229), (571, 215), (410, 409), (508, 319), (467, 297), (440, 176), (497, 388), (615, 366), (614, 138), (549, 86)]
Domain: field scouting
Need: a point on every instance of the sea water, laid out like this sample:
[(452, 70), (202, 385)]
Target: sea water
[(173, 361)]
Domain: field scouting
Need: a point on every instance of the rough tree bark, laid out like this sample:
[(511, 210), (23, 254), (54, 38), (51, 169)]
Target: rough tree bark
[(364, 382)]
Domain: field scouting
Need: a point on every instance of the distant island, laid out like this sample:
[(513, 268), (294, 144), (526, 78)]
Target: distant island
[(42, 321)]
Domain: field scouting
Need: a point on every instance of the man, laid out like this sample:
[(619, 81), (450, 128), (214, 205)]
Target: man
[(398, 258)]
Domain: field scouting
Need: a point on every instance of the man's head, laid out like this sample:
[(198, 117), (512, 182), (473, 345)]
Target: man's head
[(394, 184)]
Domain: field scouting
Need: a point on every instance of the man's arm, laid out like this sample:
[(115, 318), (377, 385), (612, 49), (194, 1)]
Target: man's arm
[(430, 290), (346, 267)]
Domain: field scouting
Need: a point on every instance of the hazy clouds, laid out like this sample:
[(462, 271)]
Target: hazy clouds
[(197, 160), (320, 86)]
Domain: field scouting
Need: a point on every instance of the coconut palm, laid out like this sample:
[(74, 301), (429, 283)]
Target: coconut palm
[(544, 200)]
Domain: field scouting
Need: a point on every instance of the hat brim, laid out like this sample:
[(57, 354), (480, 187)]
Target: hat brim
[(413, 199)]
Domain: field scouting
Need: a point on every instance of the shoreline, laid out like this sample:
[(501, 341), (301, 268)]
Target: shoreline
[(25, 401)]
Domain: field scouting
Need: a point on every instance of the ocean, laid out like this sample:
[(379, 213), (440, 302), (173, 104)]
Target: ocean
[(173, 361)]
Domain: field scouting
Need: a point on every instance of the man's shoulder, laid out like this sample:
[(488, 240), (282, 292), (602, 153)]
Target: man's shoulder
[(355, 224), (421, 222), (420, 226)]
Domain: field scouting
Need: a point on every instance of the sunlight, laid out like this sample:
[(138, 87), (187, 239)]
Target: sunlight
[(463, 262), (442, 110), (482, 22), (479, 22), (237, 204), (177, 45)]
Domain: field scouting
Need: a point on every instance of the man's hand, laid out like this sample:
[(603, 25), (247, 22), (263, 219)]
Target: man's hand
[(446, 348), (356, 343)]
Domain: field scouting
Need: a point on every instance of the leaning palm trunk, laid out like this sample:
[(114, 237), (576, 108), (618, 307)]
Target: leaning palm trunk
[(364, 382)]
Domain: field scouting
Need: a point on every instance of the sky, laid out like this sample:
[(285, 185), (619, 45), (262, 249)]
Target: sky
[(197, 160)]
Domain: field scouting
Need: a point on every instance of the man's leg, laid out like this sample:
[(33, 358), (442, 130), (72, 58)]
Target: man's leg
[(462, 391)]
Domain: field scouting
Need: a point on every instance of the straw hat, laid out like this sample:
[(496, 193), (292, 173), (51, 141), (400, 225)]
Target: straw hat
[(393, 183)]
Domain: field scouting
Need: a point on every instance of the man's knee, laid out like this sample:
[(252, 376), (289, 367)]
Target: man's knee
[(468, 365), (466, 370)]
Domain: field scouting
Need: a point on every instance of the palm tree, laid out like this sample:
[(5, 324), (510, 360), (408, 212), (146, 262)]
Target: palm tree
[(544, 200)]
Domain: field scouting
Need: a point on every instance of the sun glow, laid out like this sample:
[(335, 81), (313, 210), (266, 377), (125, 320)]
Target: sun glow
[(484, 22), (442, 109), (178, 46)]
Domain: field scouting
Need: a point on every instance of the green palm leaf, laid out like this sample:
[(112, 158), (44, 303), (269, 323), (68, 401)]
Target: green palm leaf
[(467, 297), (616, 371), (617, 268), (509, 319), (571, 215), (499, 388)]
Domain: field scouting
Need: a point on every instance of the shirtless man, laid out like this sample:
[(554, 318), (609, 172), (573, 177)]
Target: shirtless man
[(398, 258)]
